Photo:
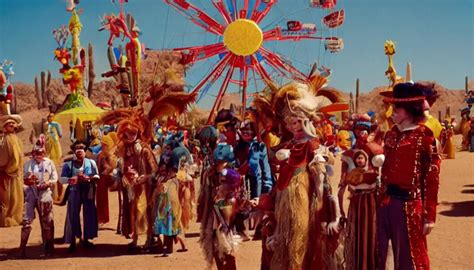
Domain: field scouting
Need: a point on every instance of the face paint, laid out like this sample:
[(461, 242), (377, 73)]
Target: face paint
[(80, 153)]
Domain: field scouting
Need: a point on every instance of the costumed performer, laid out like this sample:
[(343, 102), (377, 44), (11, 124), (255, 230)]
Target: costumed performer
[(11, 173), (82, 175), (39, 177), (107, 164), (53, 143), (300, 185), (168, 221), (410, 179)]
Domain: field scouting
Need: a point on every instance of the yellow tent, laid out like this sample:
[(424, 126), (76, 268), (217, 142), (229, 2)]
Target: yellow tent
[(79, 116)]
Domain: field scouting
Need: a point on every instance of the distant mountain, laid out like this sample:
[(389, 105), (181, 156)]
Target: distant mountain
[(156, 62)]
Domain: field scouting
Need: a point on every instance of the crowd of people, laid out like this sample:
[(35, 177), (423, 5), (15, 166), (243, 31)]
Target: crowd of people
[(269, 170)]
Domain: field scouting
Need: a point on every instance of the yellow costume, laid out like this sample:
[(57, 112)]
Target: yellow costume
[(448, 133), (11, 179), (53, 144), (449, 149), (434, 125)]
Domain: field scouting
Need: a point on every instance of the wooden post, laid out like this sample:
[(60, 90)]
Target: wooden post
[(90, 86), (357, 96), (39, 96)]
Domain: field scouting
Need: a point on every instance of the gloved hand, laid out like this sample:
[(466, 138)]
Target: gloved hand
[(333, 227), (272, 243), (428, 227)]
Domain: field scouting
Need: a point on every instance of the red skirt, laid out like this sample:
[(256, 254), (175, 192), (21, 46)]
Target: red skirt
[(360, 238)]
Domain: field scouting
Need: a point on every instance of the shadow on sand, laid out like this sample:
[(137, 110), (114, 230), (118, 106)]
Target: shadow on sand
[(35, 252), (459, 209)]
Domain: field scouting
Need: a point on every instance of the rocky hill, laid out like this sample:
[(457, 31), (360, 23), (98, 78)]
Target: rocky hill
[(154, 68)]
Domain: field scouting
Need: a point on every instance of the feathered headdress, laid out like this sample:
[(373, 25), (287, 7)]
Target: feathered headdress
[(127, 118), (301, 99), (165, 97)]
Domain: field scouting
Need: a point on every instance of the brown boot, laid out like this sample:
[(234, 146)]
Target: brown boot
[(49, 248), (25, 234)]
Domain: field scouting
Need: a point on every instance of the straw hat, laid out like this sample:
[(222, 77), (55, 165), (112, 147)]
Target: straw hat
[(12, 118)]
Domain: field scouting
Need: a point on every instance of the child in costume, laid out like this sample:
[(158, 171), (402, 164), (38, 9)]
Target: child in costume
[(168, 221), (359, 174), (360, 248)]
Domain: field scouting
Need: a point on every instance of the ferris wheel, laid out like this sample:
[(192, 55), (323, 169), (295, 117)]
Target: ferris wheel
[(241, 52)]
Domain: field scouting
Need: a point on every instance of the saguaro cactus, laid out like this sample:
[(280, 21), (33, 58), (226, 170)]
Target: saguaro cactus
[(39, 96), (44, 89), (48, 82), (90, 86), (466, 84)]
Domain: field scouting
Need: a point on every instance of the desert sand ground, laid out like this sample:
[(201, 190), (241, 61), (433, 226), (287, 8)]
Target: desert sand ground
[(451, 244)]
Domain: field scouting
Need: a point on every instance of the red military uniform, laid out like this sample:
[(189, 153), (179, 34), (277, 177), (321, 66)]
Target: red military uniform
[(411, 173)]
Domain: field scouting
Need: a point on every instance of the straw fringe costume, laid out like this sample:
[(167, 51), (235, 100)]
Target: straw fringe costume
[(302, 202), (292, 205), (140, 158), (209, 183)]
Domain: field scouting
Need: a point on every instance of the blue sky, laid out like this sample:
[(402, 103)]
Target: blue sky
[(436, 36)]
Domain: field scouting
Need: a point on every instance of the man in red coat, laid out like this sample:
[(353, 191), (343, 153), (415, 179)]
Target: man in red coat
[(410, 180)]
